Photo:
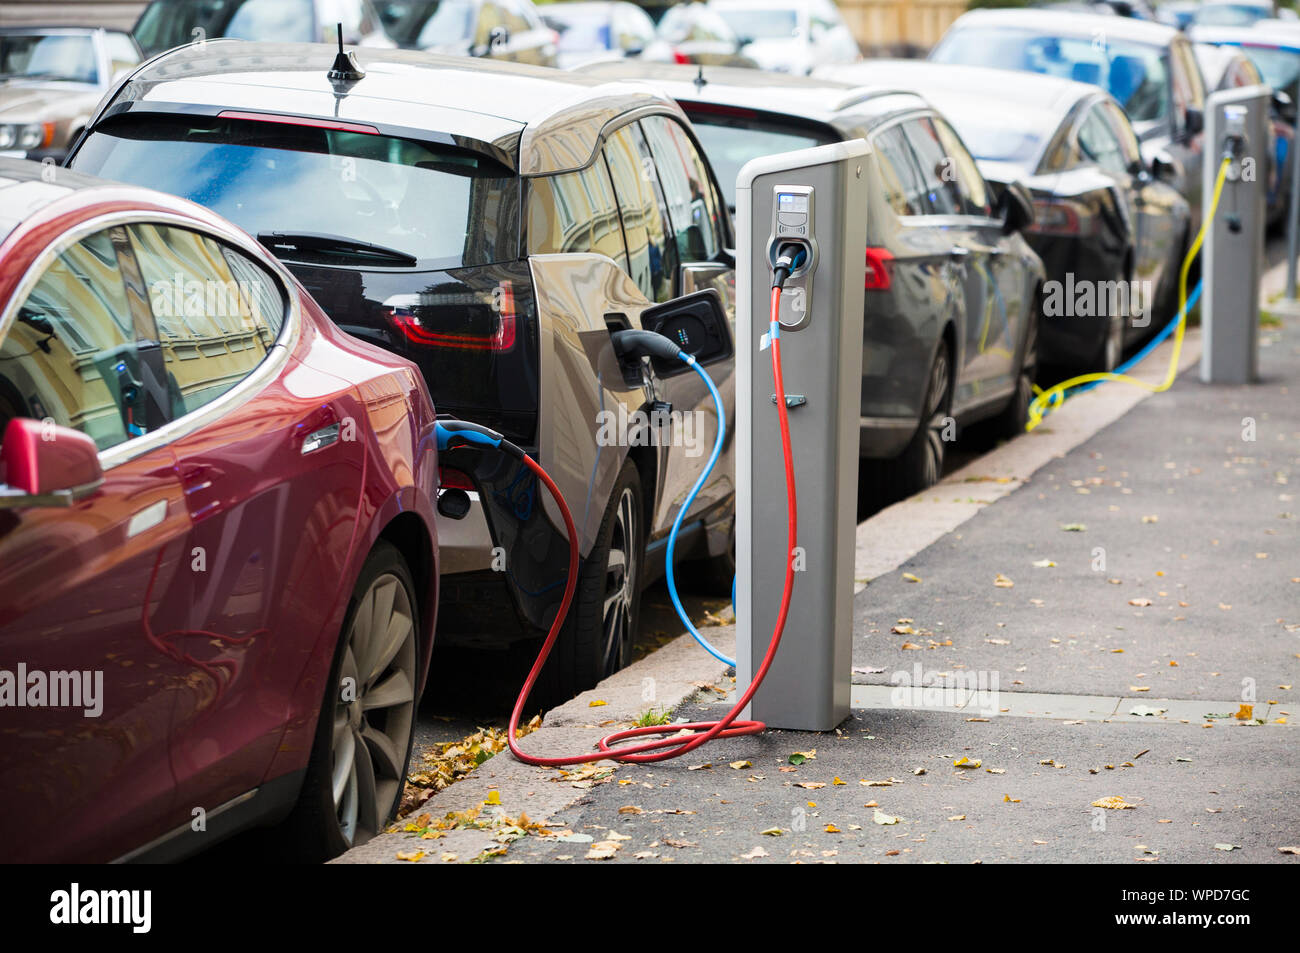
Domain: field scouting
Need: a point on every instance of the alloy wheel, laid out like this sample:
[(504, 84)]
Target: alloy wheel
[(374, 709), (620, 584), (935, 416)]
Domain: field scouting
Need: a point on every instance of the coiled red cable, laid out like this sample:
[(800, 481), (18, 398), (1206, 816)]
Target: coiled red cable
[(661, 749)]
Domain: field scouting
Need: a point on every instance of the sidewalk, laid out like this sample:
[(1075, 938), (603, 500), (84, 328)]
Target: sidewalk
[(1120, 599)]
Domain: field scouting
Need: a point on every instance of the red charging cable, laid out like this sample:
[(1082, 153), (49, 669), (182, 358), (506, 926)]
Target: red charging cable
[(662, 749)]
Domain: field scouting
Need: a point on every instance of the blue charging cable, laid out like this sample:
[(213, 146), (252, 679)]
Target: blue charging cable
[(686, 505)]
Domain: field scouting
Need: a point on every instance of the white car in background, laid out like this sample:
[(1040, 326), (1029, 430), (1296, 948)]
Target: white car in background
[(790, 36)]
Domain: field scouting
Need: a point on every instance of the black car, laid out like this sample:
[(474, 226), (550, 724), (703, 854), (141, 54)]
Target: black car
[(952, 287), (494, 223), (1111, 234), (1149, 68)]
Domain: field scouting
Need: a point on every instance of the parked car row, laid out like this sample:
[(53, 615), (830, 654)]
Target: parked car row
[(225, 326)]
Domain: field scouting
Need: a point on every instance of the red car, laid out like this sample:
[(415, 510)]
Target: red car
[(218, 560)]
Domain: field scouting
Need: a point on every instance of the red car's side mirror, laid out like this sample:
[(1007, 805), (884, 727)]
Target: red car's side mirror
[(46, 465)]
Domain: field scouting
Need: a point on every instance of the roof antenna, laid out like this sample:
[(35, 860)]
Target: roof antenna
[(700, 81), (345, 68)]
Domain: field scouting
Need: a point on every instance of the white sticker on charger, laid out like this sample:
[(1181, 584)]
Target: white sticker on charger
[(765, 341)]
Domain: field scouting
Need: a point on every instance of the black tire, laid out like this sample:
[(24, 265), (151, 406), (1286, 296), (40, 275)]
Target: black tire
[(314, 831), (596, 640), (1011, 421), (920, 465)]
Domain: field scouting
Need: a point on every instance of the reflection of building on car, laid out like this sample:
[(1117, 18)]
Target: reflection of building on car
[(492, 222), (225, 518), (1103, 218), (951, 304), (51, 78)]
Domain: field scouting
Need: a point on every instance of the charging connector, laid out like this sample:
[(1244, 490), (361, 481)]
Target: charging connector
[(790, 256)]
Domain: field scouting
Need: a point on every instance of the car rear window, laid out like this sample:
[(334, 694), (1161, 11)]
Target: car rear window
[(731, 140), (1134, 73), (441, 205)]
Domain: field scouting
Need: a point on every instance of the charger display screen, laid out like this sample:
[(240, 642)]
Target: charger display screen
[(788, 202)]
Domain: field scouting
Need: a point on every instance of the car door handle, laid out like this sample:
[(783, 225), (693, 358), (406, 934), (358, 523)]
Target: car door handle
[(957, 251)]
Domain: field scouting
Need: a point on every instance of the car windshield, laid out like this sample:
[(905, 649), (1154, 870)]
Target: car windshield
[(451, 22), (763, 23), (437, 204), (1134, 73), (731, 141), (48, 56), (1280, 68), (169, 23), (581, 31)]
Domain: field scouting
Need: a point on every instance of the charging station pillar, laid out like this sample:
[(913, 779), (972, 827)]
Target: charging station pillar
[(819, 195), (1234, 244)]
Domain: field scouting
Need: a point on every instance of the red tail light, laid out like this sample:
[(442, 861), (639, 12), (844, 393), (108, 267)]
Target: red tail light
[(299, 121), (1062, 217), (877, 278), (408, 320), (452, 479), (680, 58)]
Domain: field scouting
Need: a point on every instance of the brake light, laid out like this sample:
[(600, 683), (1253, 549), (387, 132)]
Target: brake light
[(415, 328), (680, 58), (877, 277), (299, 121), (1061, 217), (449, 478)]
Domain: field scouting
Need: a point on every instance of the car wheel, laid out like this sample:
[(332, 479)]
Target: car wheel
[(1112, 348), (366, 726), (1013, 418), (920, 464), (596, 640)]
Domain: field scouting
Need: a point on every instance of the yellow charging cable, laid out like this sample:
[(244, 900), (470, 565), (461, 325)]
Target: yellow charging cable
[(1055, 396)]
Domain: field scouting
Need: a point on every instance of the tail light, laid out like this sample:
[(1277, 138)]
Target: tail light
[(1054, 216), (680, 58), (877, 278), (460, 319), (449, 478)]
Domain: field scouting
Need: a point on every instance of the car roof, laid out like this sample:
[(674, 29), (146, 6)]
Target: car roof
[(1268, 38), (61, 28), (1065, 23), (1049, 95), (828, 101), (539, 120)]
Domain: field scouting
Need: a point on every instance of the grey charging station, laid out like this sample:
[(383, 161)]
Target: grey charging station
[(1234, 245), (818, 196)]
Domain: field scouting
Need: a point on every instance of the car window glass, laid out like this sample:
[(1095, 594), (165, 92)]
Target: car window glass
[(904, 188), (652, 262), (1098, 143), (1130, 149), (575, 212), (454, 22), (71, 354), (962, 171), (281, 20), (214, 324), (1195, 83), (935, 166), (692, 202)]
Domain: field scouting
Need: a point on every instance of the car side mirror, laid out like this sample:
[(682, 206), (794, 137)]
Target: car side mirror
[(46, 465), (1016, 208), (1193, 121), (1163, 168), (697, 323)]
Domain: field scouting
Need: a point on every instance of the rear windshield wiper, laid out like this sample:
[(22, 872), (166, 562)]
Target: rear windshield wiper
[(319, 241)]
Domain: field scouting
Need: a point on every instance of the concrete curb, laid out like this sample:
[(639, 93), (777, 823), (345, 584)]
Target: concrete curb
[(666, 679)]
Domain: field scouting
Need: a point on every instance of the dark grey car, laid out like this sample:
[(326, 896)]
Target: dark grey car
[(1149, 68), (952, 286)]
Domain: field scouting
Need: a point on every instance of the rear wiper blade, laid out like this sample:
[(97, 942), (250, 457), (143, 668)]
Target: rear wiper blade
[(320, 241)]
